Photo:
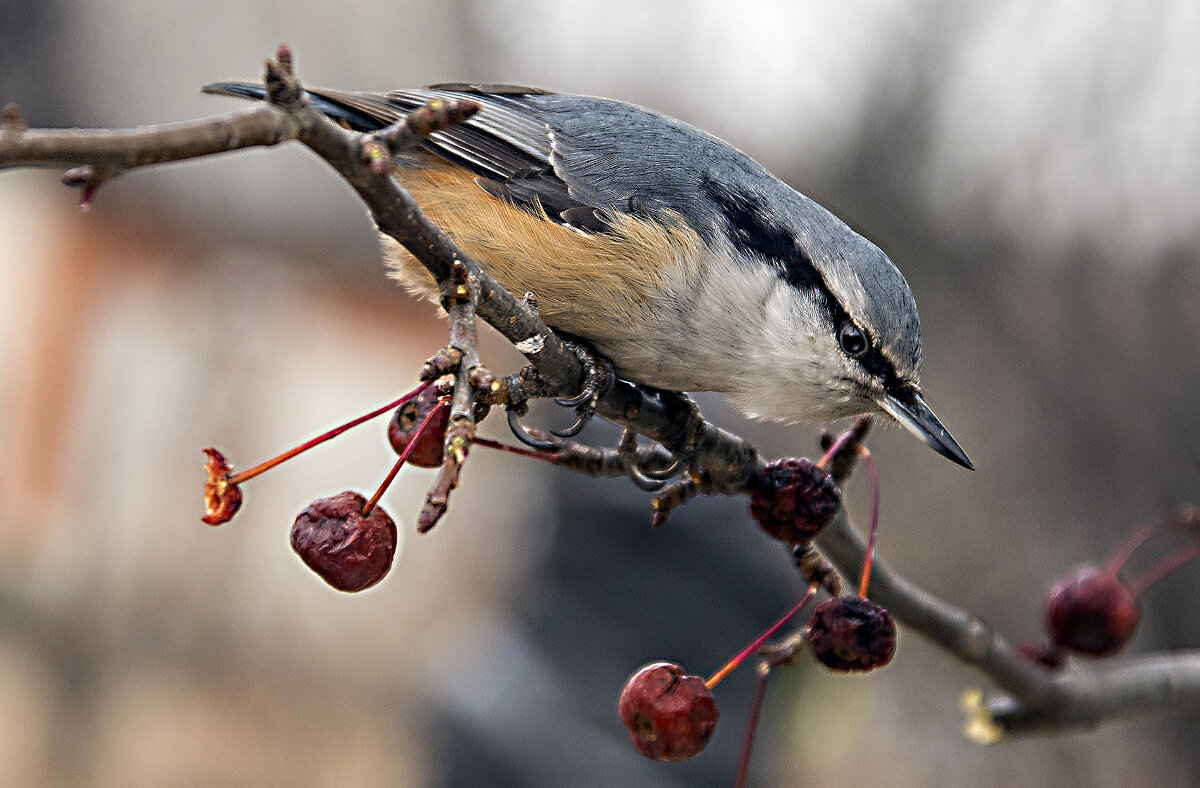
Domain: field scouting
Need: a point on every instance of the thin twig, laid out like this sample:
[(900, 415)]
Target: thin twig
[(459, 295), (1036, 699), (117, 150)]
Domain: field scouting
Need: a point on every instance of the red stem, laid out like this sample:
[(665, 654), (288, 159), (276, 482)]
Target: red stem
[(1141, 535), (1165, 567), (760, 692), (732, 664), (836, 447), (870, 554), (263, 467), (444, 402)]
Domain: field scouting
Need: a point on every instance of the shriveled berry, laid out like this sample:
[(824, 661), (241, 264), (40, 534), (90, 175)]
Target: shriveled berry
[(222, 498), (348, 551), (792, 499), (670, 715), (406, 422), (853, 634), (1092, 611)]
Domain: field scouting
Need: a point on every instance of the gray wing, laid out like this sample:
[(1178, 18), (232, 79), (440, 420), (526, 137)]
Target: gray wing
[(508, 145), (592, 157), (580, 159)]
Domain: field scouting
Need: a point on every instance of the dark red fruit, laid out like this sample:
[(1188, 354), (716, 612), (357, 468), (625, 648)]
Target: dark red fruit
[(222, 498), (407, 420), (348, 551), (670, 715), (849, 633), (1092, 612), (792, 499)]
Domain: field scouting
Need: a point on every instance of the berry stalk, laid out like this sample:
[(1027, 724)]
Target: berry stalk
[(518, 450), (1187, 519), (760, 693), (403, 458), (263, 467), (870, 554), (1165, 567), (732, 664)]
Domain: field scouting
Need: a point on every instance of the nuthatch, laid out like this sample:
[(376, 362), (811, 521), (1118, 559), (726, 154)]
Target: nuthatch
[(677, 256)]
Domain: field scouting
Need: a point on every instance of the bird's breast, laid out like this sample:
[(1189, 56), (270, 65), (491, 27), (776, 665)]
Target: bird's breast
[(620, 290)]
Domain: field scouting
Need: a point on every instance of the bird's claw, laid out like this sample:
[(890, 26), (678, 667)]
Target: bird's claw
[(650, 481), (584, 417), (598, 380), (522, 432), (653, 480), (663, 474)]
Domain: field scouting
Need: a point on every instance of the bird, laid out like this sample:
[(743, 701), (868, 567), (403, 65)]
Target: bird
[(678, 257)]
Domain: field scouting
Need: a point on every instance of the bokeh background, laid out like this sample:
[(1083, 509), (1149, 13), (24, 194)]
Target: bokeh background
[(1032, 166)]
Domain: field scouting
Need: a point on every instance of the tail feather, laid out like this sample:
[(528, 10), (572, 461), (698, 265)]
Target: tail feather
[(359, 121), (240, 89)]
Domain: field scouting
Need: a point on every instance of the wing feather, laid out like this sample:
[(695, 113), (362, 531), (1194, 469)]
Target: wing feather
[(507, 144), (577, 159)]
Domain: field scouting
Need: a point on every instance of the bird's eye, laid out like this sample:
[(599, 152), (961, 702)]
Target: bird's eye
[(851, 338)]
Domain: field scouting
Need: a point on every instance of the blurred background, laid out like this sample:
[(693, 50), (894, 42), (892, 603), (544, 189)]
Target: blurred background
[(1034, 169)]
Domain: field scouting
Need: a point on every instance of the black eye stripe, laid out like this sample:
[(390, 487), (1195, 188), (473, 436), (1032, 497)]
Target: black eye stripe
[(750, 231)]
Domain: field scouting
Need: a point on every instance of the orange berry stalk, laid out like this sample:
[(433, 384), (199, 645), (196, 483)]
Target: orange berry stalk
[(222, 493), (732, 664)]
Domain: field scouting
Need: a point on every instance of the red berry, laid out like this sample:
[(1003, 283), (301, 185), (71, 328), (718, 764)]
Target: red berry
[(348, 551), (853, 634), (670, 715), (792, 499), (222, 498), (406, 423), (1092, 612), (407, 420)]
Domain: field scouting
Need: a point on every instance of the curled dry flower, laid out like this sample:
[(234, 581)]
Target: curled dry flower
[(222, 496)]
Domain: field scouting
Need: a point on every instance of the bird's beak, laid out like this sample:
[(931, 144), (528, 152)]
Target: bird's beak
[(909, 409)]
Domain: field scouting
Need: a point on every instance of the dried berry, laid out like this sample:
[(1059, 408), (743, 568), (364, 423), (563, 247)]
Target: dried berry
[(670, 715), (793, 499), (348, 551), (850, 633), (406, 422), (405, 426), (1092, 612), (222, 497)]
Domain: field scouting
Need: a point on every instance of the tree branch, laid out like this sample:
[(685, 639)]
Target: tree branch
[(1038, 699), (117, 150)]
